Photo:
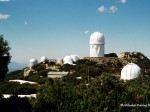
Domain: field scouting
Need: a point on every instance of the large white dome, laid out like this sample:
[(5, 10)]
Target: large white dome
[(43, 58), (68, 60), (97, 38), (130, 71), (75, 58)]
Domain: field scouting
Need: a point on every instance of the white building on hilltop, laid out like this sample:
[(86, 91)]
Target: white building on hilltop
[(55, 74), (75, 58), (97, 42), (130, 71), (43, 59), (68, 60), (32, 62)]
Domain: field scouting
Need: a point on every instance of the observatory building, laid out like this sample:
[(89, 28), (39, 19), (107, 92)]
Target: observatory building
[(68, 60), (32, 62), (130, 71), (75, 58), (97, 42), (43, 59)]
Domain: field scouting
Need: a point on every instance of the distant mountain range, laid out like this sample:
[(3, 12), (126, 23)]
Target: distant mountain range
[(13, 66)]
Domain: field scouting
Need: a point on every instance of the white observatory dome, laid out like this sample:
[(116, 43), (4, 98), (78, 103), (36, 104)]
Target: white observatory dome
[(130, 71), (32, 62), (68, 60), (43, 59), (97, 42), (97, 38), (75, 58)]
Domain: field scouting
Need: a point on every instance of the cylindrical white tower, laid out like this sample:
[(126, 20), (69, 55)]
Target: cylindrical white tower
[(97, 42)]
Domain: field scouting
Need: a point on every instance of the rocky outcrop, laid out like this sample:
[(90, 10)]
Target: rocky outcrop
[(129, 55), (136, 57), (115, 64), (27, 71), (109, 64)]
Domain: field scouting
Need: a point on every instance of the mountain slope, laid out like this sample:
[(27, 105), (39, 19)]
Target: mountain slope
[(16, 66)]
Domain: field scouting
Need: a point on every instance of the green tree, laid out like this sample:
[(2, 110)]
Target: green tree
[(107, 91), (38, 67), (67, 67), (4, 57)]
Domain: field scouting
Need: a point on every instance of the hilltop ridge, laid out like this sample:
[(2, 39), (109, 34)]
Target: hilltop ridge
[(116, 63)]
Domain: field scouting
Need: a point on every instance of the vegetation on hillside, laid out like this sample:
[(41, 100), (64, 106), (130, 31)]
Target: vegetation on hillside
[(96, 91)]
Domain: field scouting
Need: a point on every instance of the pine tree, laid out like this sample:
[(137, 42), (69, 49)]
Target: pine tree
[(4, 57)]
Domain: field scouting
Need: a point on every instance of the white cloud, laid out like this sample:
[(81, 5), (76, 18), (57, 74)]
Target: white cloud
[(113, 9), (86, 32), (4, 0), (4, 16), (102, 9), (123, 1)]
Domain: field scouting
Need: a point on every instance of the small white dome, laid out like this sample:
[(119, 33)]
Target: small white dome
[(75, 58), (43, 58), (130, 71), (68, 60), (97, 38), (59, 61), (33, 61)]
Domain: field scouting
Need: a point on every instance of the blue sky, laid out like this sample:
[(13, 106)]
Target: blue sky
[(56, 28)]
